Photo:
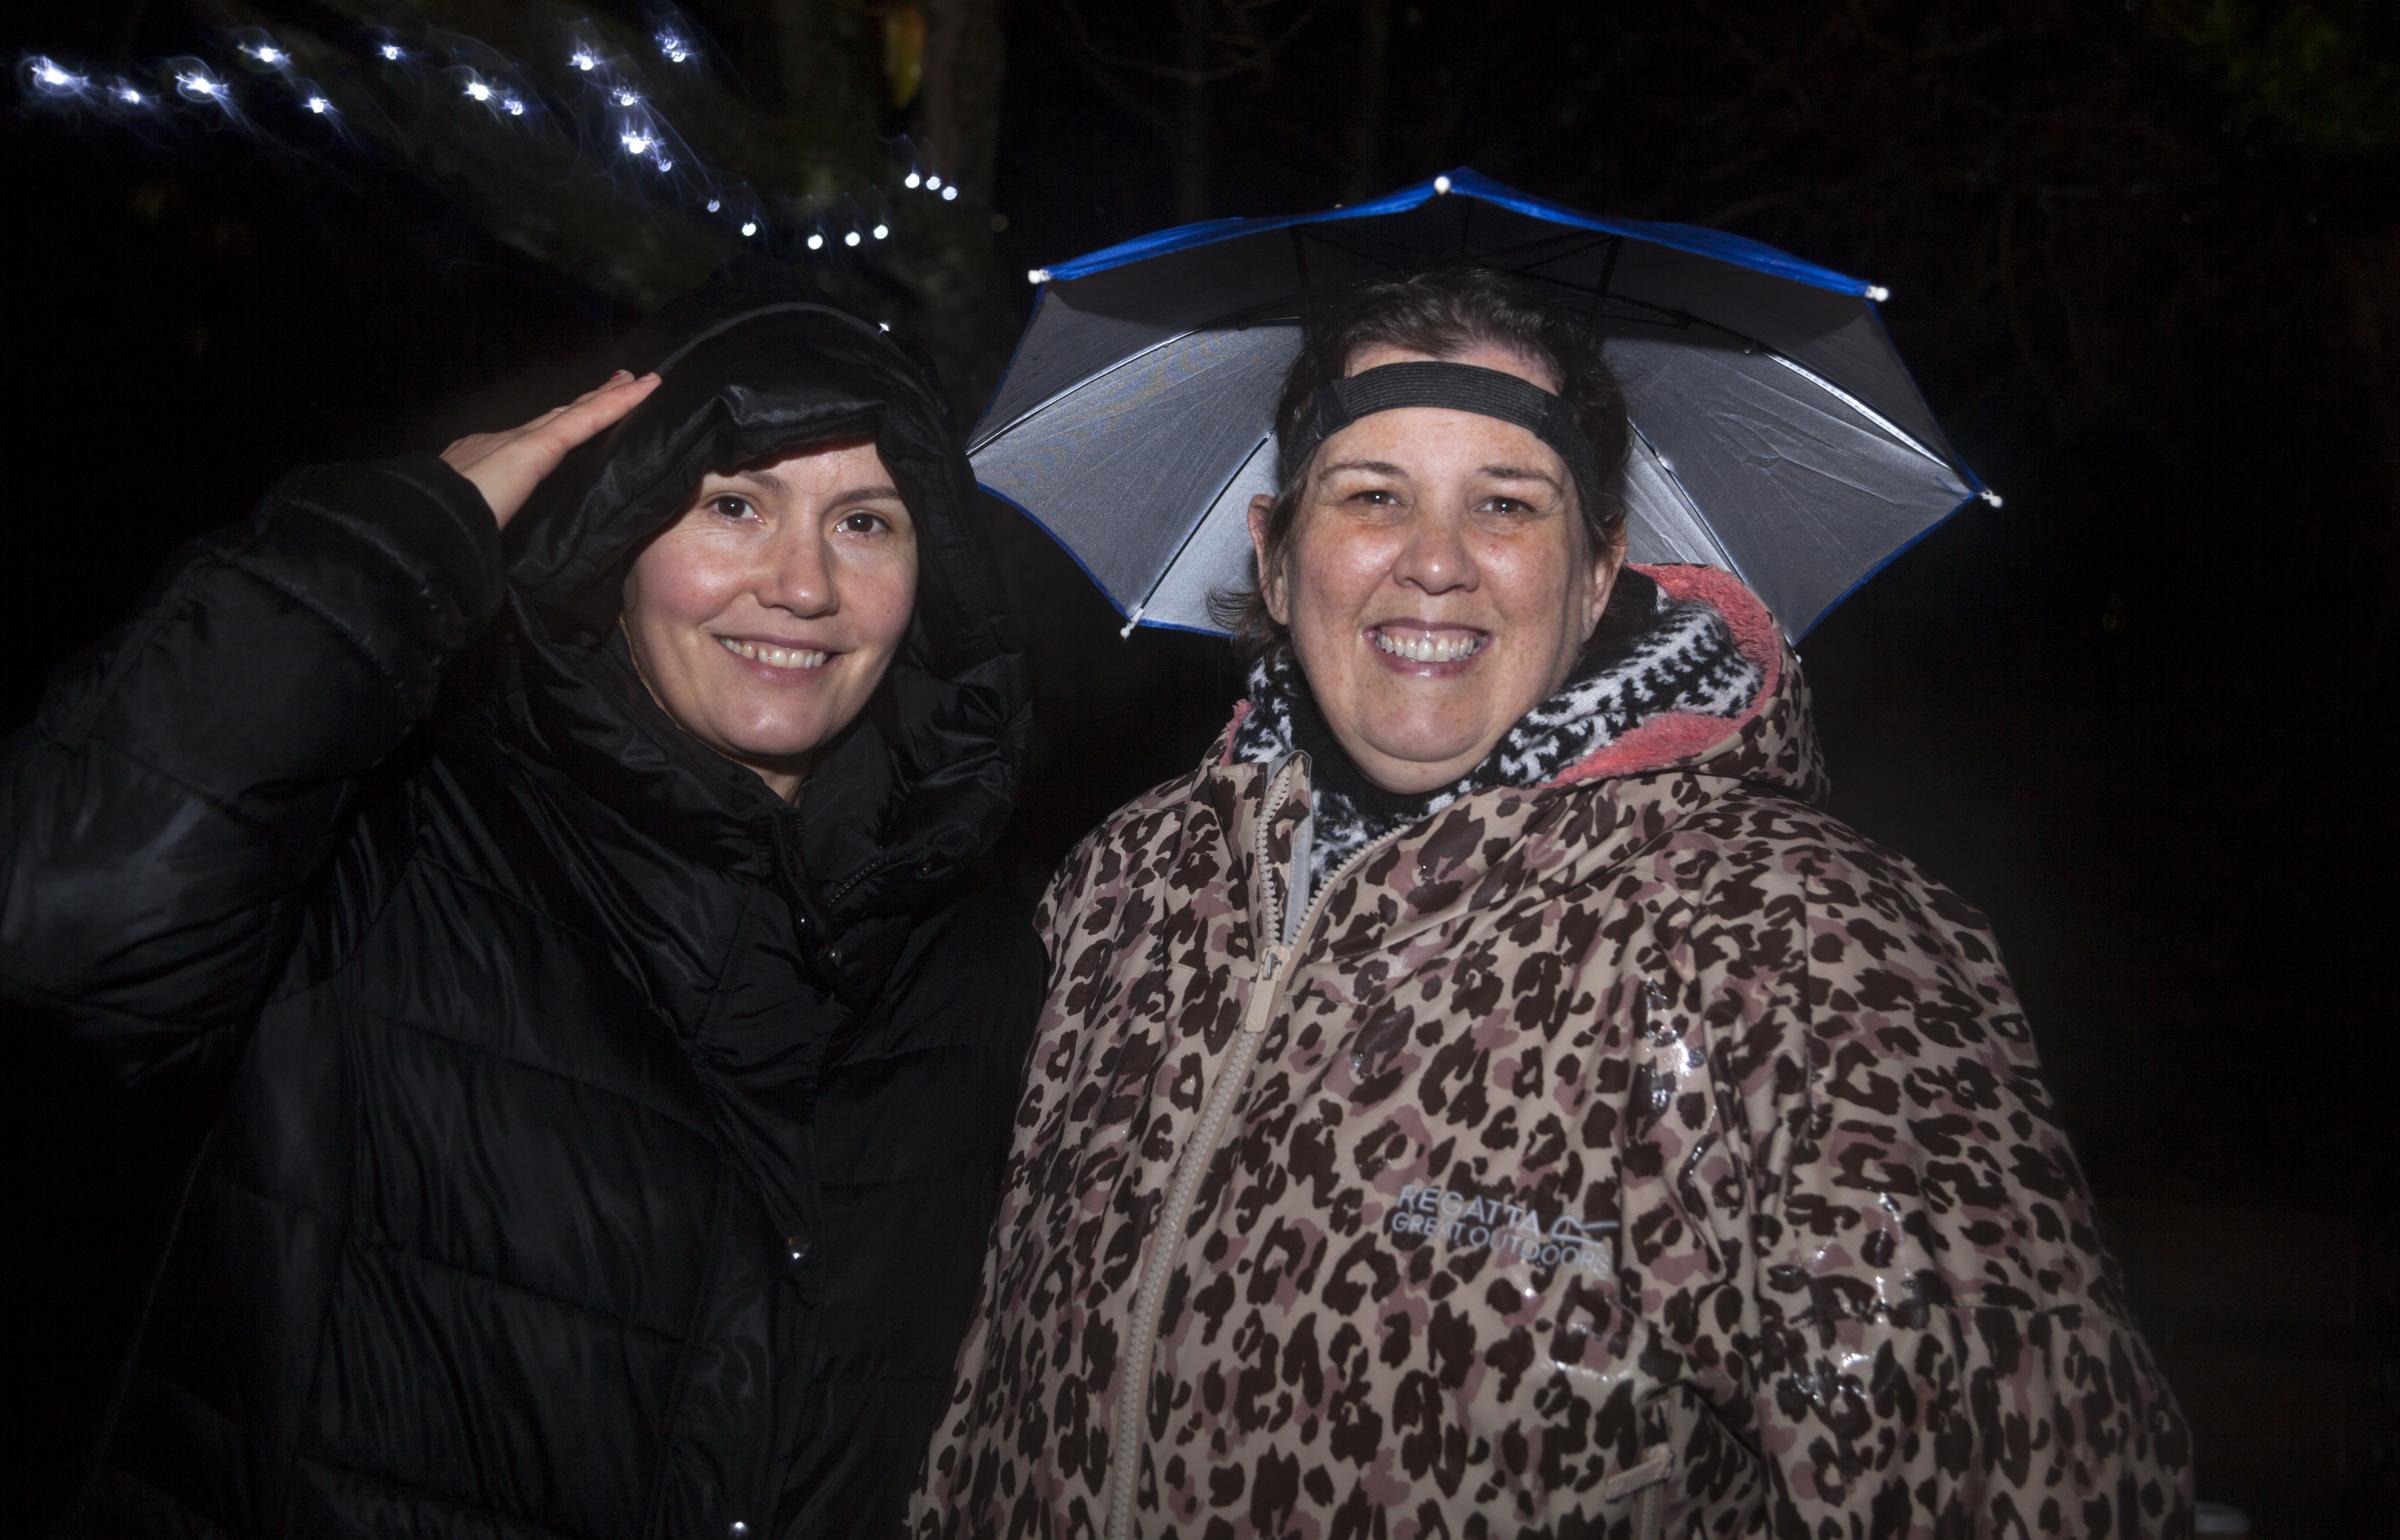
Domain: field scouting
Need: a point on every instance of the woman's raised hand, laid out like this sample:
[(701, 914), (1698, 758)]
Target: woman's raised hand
[(507, 466)]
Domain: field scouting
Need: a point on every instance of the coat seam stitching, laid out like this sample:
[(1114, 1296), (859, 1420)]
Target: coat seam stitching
[(698, 1130), (684, 1360), (340, 630), (396, 1248), (341, 1262), (487, 886), (455, 1499)]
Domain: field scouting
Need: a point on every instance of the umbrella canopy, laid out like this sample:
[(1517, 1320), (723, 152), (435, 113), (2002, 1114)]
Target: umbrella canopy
[(1776, 433)]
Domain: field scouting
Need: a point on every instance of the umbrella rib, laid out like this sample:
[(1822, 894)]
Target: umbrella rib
[(1856, 405), (1192, 532), (1666, 468), (1566, 242), (1079, 383), (1898, 435)]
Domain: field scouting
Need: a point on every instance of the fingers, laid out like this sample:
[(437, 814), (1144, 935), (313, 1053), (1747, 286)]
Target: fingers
[(506, 467), (595, 410)]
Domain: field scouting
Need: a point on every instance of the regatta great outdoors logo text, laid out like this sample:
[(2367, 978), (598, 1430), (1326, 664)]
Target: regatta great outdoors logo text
[(1462, 1218)]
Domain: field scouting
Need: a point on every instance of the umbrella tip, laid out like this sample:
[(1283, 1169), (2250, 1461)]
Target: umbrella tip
[(1992, 497), (1878, 293), (1441, 184), (1131, 621), (1037, 275)]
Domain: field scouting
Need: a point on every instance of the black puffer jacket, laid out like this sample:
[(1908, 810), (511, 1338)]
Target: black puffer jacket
[(587, 1143)]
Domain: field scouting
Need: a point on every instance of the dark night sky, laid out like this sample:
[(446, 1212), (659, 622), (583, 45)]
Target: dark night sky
[(2144, 715)]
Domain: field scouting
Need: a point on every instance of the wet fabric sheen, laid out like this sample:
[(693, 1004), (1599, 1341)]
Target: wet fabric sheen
[(1639, 1153), (590, 1144)]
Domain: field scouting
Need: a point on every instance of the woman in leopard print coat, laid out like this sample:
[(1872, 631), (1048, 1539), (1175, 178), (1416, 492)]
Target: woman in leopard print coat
[(1597, 1139)]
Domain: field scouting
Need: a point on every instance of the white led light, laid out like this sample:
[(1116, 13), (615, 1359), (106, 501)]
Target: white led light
[(749, 227), (627, 97), (128, 95), (195, 84), (665, 164), (933, 184), (478, 90), (390, 51), (911, 180), (673, 47), (512, 106), (582, 59), (816, 242), (1441, 184), (635, 144), (950, 193), (1878, 293), (881, 232), (50, 77), (318, 105), (851, 239), (268, 53), (883, 326), (1037, 275), (715, 204)]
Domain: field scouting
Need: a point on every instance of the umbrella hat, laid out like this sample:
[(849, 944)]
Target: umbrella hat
[(1776, 432)]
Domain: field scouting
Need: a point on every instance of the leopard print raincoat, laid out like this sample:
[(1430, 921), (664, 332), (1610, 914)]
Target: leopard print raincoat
[(1642, 1153)]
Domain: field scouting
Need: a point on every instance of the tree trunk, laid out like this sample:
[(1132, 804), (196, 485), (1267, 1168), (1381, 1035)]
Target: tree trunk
[(1191, 111), (959, 110), (1366, 115), (966, 59)]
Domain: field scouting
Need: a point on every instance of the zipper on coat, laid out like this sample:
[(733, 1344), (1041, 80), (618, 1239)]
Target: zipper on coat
[(1266, 991), (855, 878), (1646, 1483)]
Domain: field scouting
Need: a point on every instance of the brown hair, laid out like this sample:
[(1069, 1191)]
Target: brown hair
[(1444, 314)]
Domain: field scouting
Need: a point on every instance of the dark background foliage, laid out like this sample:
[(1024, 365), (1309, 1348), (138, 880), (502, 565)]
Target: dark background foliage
[(2144, 257)]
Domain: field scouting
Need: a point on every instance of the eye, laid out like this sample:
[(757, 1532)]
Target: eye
[(726, 505), (1375, 497), (1501, 506), (863, 521)]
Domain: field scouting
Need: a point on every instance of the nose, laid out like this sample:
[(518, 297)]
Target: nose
[(795, 572), (1434, 556)]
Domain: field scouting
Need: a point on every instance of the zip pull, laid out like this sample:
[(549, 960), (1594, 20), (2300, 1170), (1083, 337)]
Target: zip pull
[(1646, 1484), (1264, 989)]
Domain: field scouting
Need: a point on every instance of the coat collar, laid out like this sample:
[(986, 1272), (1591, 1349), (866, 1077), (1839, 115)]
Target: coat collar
[(1590, 818)]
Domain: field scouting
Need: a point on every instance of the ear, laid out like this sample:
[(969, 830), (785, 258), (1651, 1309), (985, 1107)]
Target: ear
[(1270, 581), (1607, 562)]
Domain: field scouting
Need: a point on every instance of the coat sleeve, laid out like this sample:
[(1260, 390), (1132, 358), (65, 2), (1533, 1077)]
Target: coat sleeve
[(181, 786), (1939, 1344)]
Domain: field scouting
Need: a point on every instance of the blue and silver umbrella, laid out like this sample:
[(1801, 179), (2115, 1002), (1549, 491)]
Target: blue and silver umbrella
[(1776, 431)]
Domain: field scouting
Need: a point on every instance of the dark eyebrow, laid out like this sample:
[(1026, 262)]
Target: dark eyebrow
[(884, 494), (1496, 472), (1524, 473), (759, 476), (773, 480)]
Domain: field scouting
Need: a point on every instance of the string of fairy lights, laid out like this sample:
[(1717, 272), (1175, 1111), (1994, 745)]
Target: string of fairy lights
[(597, 95)]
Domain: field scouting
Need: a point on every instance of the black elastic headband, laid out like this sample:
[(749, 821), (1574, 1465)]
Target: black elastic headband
[(1461, 388)]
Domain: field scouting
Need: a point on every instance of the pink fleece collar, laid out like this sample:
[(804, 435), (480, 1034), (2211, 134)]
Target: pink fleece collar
[(1672, 736)]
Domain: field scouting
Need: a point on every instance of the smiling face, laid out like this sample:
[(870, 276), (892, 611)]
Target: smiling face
[(1437, 583), (765, 616)]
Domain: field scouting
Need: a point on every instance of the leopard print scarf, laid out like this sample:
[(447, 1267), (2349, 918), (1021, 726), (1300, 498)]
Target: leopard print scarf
[(1650, 654)]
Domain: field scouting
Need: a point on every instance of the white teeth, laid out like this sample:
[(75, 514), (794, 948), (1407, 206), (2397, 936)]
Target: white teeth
[(1428, 649), (774, 657)]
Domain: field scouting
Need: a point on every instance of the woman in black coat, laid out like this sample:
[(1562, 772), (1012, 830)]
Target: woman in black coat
[(596, 1046)]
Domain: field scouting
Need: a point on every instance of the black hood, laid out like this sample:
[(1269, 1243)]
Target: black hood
[(923, 782)]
